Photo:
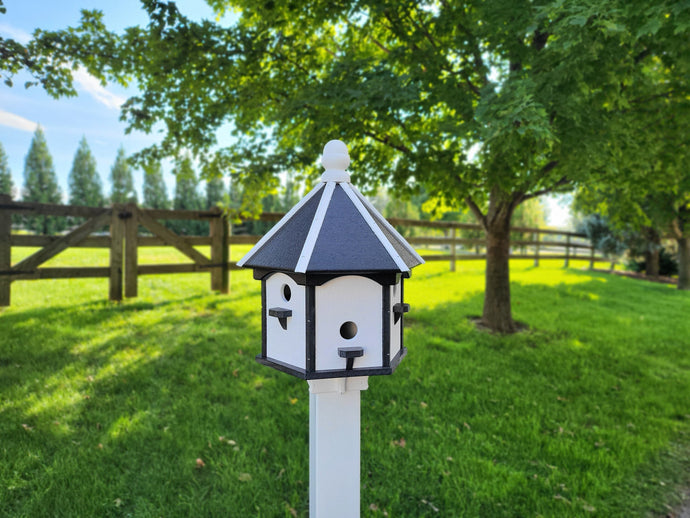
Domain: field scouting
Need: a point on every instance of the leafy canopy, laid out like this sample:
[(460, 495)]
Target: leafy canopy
[(467, 98)]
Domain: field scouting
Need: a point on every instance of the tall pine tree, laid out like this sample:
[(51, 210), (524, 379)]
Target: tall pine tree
[(121, 178), (40, 185), (155, 195), (214, 192), (5, 176), (84, 182), (187, 198)]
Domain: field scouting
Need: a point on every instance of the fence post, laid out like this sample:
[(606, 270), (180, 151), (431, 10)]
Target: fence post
[(5, 250), (591, 256), (453, 251), (117, 234), (536, 248), (220, 252), (567, 251), (131, 250)]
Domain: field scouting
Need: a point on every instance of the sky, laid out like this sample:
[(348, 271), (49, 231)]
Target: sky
[(94, 113)]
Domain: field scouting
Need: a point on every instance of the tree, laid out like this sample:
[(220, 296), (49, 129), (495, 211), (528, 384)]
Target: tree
[(214, 192), (155, 194), (121, 179), (651, 196), (40, 185), (84, 182), (485, 103), (187, 198), (610, 241), (6, 186)]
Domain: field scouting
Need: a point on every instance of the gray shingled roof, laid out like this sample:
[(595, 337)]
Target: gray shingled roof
[(333, 229)]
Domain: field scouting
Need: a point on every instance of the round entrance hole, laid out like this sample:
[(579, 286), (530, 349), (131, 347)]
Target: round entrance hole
[(348, 330), (287, 293)]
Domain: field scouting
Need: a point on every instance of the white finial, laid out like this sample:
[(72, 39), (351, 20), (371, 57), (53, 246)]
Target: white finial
[(335, 160)]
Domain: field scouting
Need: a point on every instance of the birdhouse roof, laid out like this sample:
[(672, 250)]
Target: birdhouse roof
[(333, 229)]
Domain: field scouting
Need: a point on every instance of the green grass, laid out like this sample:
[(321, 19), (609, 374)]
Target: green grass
[(105, 408)]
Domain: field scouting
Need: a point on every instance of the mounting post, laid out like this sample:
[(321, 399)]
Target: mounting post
[(334, 446)]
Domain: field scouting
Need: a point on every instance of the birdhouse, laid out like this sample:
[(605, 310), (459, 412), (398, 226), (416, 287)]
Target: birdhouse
[(331, 273)]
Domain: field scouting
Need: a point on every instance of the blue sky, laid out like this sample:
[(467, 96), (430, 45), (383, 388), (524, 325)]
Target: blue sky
[(95, 112)]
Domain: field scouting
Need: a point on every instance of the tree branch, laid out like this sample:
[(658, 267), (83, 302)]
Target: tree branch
[(369, 37), (420, 27), (386, 140), (560, 183), (477, 212)]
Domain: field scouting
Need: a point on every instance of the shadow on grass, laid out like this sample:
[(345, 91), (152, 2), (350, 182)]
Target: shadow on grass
[(106, 409)]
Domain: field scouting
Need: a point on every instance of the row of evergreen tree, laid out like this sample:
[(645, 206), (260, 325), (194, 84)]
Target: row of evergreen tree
[(40, 185), (85, 186)]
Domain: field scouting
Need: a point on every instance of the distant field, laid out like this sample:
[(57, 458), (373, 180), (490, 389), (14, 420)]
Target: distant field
[(105, 408)]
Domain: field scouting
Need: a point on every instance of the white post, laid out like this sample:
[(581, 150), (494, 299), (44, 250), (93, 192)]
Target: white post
[(334, 430)]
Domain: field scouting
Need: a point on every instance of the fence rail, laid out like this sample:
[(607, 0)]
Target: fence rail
[(123, 242)]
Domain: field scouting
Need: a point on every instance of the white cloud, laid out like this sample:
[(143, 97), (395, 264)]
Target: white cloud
[(93, 87), (14, 33), (17, 122)]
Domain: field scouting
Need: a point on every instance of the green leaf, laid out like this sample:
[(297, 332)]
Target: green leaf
[(579, 20)]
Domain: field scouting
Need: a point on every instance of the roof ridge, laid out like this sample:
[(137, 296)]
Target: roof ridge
[(315, 228), (377, 216), (351, 192)]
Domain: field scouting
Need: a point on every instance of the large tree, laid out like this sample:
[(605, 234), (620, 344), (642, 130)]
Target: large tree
[(484, 103), (187, 197), (155, 194), (40, 184), (84, 182), (6, 186), (121, 179), (214, 192), (652, 193)]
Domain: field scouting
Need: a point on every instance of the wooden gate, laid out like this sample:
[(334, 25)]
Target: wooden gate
[(122, 240)]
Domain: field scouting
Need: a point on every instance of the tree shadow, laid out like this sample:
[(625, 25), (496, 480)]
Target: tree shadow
[(106, 409)]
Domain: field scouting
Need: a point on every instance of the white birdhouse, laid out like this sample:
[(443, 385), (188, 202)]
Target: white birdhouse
[(331, 276)]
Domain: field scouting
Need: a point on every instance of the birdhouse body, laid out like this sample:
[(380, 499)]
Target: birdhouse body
[(349, 313), (332, 274), (285, 345)]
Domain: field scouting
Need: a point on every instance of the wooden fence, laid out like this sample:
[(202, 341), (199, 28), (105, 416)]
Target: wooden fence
[(542, 244), (123, 241)]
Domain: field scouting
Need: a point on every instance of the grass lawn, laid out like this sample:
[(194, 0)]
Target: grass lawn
[(156, 407)]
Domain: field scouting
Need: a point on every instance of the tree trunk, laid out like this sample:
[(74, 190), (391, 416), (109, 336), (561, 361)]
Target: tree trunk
[(683, 263), (652, 253), (497, 314), (651, 258)]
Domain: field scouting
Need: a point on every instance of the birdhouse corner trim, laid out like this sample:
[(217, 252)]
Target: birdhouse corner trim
[(315, 229)]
